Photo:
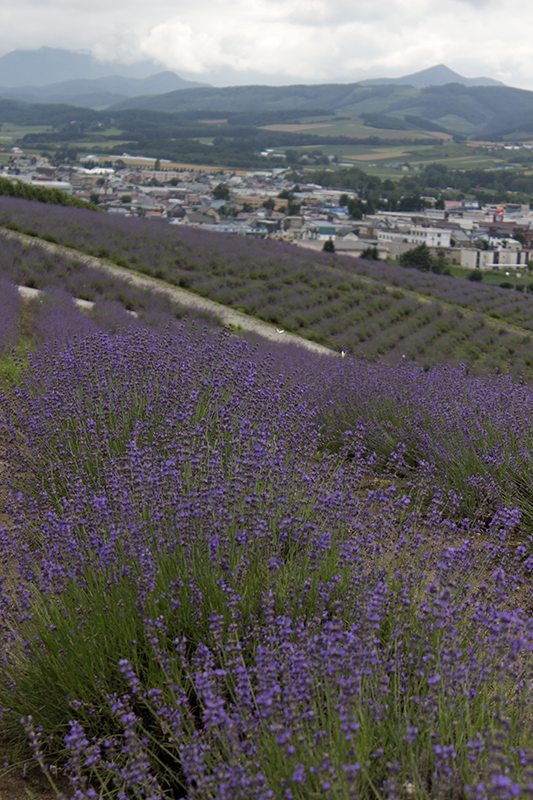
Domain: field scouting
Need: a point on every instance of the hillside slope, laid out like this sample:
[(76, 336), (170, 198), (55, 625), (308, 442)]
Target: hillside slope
[(345, 304), (468, 110)]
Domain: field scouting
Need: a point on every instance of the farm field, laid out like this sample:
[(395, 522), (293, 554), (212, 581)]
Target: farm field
[(361, 307), (462, 156), (10, 131), (245, 570)]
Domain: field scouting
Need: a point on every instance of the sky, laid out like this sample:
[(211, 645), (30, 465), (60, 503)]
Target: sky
[(226, 42)]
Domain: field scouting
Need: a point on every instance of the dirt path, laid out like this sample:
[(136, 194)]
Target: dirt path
[(227, 316)]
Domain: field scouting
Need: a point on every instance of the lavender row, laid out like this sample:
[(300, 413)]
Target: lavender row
[(239, 575), (289, 287), (10, 305), (33, 266), (498, 303)]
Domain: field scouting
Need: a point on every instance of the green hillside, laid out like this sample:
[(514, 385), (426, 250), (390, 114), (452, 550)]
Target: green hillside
[(469, 110)]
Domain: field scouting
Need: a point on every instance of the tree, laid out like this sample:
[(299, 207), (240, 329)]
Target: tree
[(221, 192), (475, 275), (356, 208), (418, 258), (371, 253), (65, 155), (329, 246), (229, 211), (520, 238), (343, 200), (269, 203)]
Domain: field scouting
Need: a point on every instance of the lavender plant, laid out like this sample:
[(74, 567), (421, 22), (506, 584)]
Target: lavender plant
[(11, 324), (307, 293), (198, 606), (10, 306), (39, 269)]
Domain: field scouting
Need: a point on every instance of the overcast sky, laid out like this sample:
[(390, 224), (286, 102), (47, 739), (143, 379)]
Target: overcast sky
[(237, 41)]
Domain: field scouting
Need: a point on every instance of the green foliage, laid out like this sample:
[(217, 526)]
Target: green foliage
[(329, 246), (221, 192), (370, 253), (418, 258), (475, 275), (41, 193)]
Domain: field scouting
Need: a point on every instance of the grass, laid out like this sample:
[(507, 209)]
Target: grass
[(497, 277), (14, 363)]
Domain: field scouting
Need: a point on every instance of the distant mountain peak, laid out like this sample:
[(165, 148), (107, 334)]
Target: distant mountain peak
[(438, 75), (47, 65)]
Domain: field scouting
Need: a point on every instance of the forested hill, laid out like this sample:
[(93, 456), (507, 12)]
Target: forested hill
[(484, 112), (468, 110)]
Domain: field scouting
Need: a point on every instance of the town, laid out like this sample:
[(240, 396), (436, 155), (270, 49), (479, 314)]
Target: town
[(267, 204)]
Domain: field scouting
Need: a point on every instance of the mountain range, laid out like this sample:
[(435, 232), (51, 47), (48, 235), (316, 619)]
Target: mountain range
[(37, 76), (52, 65), (98, 92), (473, 111), (433, 76), (434, 99)]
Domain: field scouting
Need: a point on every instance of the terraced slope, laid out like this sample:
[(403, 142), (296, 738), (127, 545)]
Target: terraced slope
[(338, 302)]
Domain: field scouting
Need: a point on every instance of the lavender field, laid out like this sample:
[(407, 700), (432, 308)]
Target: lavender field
[(347, 304), (239, 573)]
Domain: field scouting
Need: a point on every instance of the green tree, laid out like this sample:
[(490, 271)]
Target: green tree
[(65, 155), (370, 253), (221, 192), (343, 200), (418, 258), (269, 203), (475, 275), (229, 211), (329, 246), (356, 208)]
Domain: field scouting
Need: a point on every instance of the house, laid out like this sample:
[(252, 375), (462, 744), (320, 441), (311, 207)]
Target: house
[(318, 229)]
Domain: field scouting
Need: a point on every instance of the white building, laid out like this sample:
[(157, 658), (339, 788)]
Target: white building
[(473, 258), (415, 235)]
